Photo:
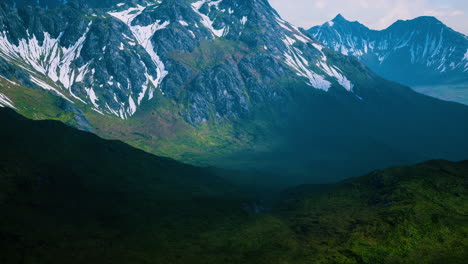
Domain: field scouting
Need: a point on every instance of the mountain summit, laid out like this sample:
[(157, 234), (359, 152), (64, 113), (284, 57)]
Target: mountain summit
[(339, 17), (116, 59), (421, 51)]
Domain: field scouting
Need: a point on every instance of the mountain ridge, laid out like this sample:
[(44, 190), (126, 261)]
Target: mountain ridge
[(414, 52), (77, 62), (216, 82), (59, 154)]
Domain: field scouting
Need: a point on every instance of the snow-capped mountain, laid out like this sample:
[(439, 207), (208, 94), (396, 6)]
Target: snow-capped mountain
[(115, 59), (201, 80), (415, 52)]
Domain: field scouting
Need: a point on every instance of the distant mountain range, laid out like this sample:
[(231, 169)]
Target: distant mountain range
[(418, 52), (216, 83)]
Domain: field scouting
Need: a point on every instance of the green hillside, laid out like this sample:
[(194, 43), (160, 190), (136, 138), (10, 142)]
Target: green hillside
[(67, 196), (414, 214)]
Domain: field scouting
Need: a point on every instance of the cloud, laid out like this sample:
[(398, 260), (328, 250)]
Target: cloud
[(400, 10), (457, 13), (377, 14), (320, 4), (364, 3), (443, 13)]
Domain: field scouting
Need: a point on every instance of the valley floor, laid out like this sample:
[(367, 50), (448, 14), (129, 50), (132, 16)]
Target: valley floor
[(402, 215), (454, 93)]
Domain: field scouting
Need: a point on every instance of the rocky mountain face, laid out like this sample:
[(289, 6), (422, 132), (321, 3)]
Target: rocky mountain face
[(215, 82), (114, 59), (415, 52)]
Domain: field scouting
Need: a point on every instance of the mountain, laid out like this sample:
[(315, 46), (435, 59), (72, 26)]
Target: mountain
[(62, 189), (226, 83), (422, 51), (155, 51)]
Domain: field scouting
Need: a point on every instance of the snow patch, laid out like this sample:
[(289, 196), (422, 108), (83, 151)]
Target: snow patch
[(332, 71), (48, 58), (317, 46), (144, 35), (183, 23), (295, 60), (92, 97), (46, 86), (192, 34), (10, 81), (206, 21), (132, 107), (5, 101), (244, 20)]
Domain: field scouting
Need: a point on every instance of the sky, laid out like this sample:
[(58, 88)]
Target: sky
[(376, 14)]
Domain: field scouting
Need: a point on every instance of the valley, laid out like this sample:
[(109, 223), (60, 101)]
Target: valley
[(453, 93), (215, 131), (66, 193), (204, 83)]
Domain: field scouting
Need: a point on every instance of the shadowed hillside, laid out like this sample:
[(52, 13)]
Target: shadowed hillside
[(67, 196)]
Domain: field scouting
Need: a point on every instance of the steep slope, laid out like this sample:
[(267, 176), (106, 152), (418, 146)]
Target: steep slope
[(49, 154), (226, 83), (152, 48), (421, 51), (61, 185)]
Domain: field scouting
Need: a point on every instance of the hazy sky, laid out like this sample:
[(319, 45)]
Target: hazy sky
[(376, 14)]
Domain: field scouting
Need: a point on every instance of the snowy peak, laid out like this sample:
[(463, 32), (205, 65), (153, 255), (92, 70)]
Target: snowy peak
[(426, 24), (215, 56), (339, 18), (414, 52), (426, 19)]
